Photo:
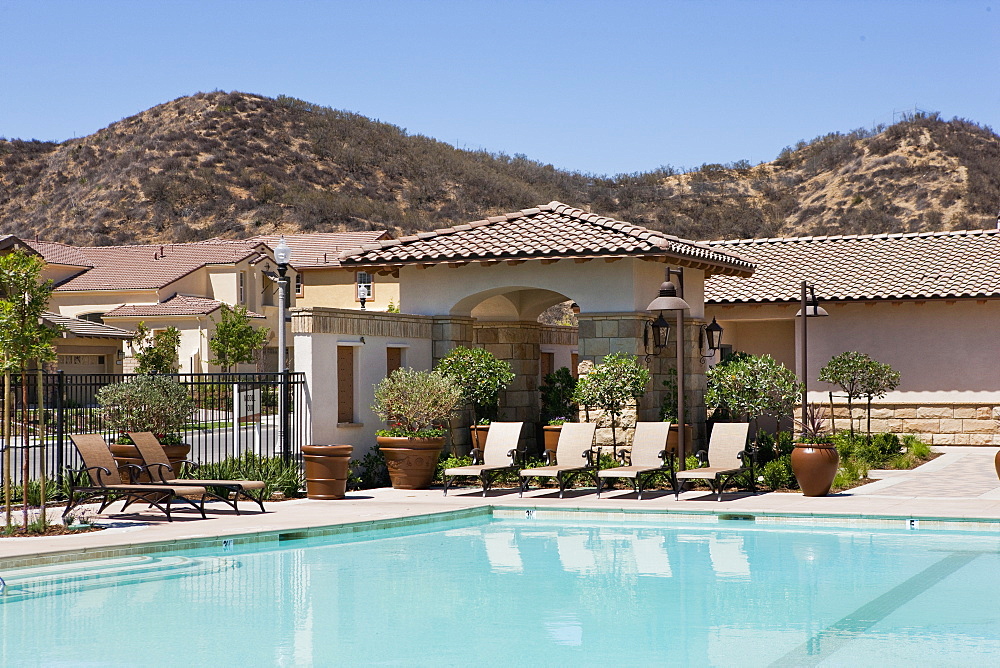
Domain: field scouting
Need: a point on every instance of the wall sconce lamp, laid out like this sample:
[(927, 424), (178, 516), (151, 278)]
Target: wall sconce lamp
[(712, 340), (362, 296), (659, 329)]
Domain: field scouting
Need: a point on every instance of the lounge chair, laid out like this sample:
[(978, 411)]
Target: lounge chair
[(160, 471), (499, 454), (649, 456), (727, 457), (106, 483), (576, 440)]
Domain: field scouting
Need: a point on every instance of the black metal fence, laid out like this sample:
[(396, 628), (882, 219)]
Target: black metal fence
[(234, 413)]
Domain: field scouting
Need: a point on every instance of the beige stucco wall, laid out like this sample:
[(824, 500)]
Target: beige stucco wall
[(942, 348), (624, 286), (335, 288)]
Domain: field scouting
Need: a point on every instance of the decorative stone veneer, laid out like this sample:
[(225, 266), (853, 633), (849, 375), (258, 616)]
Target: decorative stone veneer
[(934, 423), (517, 343)]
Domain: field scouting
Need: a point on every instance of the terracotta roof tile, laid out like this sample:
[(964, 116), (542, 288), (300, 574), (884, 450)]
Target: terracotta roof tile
[(142, 267), (554, 230), (885, 266), (323, 249), (176, 305)]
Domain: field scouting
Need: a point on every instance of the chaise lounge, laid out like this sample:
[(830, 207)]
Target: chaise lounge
[(499, 454), (106, 483), (160, 471), (576, 440), (726, 458), (649, 457)]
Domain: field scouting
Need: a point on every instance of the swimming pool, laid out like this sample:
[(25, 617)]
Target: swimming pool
[(524, 592)]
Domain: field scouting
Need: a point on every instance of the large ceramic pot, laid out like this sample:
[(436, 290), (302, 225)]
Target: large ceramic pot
[(688, 439), (411, 461), (996, 463), (326, 470), (550, 436), (478, 434), (128, 454), (815, 467)]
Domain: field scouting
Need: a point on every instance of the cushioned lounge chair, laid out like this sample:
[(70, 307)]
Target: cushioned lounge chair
[(727, 457), (106, 482), (160, 471), (575, 456), (499, 454), (649, 456)]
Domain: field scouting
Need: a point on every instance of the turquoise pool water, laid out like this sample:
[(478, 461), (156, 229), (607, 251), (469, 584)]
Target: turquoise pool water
[(525, 592)]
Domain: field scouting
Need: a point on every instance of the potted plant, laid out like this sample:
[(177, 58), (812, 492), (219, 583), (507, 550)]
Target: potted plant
[(557, 404), (814, 457), (147, 403), (415, 404), (480, 377), (619, 381)]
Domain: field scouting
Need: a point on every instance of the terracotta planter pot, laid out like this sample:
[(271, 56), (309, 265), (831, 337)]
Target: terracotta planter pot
[(411, 461), (127, 454), (551, 436), (478, 434), (996, 463), (688, 439), (815, 467), (326, 470)]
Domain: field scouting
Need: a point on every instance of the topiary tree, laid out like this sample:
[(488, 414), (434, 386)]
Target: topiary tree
[(614, 384), (858, 375), (147, 403), (236, 341), (415, 403), (750, 386), (480, 377)]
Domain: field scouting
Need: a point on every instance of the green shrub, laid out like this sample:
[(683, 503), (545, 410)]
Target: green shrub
[(849, 473), (369, 472), (146, 403), (777, 473)]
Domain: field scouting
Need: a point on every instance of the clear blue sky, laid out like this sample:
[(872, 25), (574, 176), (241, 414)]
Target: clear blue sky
[(602, 87)]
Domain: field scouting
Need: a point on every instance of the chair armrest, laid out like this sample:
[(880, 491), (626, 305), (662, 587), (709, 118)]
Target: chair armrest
[(593, 458), (549, 457), (477, 456), (702, 456), (748, 457), (160, 473), (624, 458), (101, 471), (517, 455)]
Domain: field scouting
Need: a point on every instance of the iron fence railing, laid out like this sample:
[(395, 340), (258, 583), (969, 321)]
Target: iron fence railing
[(234, 413)]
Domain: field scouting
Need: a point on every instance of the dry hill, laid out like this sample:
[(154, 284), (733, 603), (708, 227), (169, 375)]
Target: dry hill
[(234, 164)]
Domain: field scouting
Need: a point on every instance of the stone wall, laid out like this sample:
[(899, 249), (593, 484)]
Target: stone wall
[(934, 423)]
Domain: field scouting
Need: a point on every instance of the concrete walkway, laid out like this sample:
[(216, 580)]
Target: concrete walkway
[(960, 485)]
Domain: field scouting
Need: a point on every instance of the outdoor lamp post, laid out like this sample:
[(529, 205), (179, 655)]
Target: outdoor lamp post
[(282, 255), (810, 308), (362, 296), (669, 301)]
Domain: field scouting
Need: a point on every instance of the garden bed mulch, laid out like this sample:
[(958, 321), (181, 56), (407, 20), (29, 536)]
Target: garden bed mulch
[(51, 530)]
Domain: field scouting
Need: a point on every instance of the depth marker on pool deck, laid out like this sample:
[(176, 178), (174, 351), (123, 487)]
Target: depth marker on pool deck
[(820, 646)]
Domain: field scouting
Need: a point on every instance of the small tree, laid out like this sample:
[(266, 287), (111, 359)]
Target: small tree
[(750, 386), (156, 353), (24, 340), (557, 394), (415, 403), (480, 376), (614, 384), (858, 375), (236, 341)]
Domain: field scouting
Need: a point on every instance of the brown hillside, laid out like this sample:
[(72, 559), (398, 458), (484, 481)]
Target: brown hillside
[(234, 164)]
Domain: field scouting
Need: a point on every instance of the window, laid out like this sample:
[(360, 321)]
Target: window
[(364, 280), (345, 384), (242, 288), (78, 360), (393, 359), (299, 283)]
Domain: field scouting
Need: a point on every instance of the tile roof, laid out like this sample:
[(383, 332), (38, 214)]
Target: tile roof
[(322, 250), (880, 266), (176, 305), (142, 267), (86, 328), (553, 230)]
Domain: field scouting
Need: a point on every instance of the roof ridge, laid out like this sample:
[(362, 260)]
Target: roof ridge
[(844, 237)]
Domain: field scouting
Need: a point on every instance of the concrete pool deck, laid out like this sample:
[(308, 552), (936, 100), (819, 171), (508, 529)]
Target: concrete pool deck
[(961, 485)]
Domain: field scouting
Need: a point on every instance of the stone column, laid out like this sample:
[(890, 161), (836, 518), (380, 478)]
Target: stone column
[(604, 333), (449, 332), (517, 343)]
